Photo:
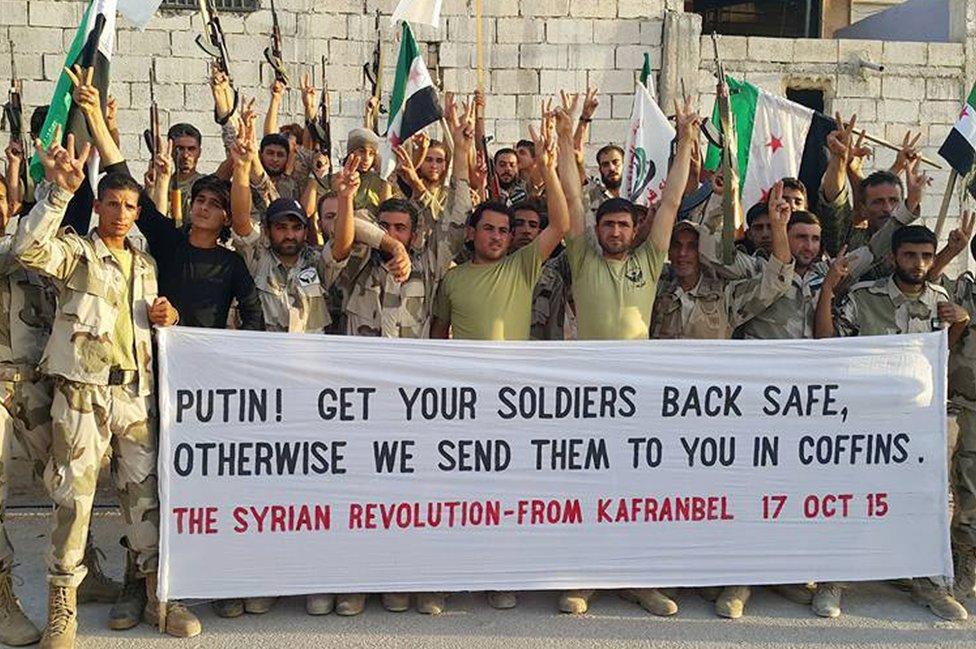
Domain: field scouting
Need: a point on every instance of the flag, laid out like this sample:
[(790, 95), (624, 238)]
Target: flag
[(959, 148), (646, 71), (422, 12), (92, 46), (777, 138), (413, 103), (647, 152), (139, 12)]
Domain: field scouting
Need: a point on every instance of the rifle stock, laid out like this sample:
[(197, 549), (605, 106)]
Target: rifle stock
[(273, 54), (13, 119), (373, 71)]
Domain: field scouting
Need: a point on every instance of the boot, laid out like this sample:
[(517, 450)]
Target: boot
[(180, 622), (126, 612), (62, 619), (97, 586), (319, 604), (258, 605), (651, 600), (964, 560), (710, 593), (395, 602), (431, 603), (502, 600), (732, 602), (826, 602), (575, 602), (16, 629), (228, 608), (938, 600), (350, 604), (796, 593)]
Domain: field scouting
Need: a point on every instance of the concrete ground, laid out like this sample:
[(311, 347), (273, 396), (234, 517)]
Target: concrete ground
[(875, 615)]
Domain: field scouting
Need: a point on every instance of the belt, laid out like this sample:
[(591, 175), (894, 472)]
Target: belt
[(118, 376), (16, 373)]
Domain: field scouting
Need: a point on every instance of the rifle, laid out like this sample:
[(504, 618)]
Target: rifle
[(730, 197), (215, 44), (151, 135), (321, 127), (494, 188), (373, 74), (273, 53), (13, 120)]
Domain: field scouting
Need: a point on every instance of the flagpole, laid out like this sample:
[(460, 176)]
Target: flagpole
[(944, 209), (480, 37)]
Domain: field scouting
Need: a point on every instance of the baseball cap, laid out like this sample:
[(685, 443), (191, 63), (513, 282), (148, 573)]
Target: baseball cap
[(284, 208)]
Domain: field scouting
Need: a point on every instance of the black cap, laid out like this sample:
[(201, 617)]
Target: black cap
[(284, 208)]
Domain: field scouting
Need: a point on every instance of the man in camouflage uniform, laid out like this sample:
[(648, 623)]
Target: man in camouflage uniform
[(287, 272), (99, 355), (27, 304), (962, 405), (694, 305), (792, 316), (379, 300), (898, 304), (691, 304)]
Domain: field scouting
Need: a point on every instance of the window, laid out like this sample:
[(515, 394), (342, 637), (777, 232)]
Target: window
[(812, 98), (233, 6), (778, 18)]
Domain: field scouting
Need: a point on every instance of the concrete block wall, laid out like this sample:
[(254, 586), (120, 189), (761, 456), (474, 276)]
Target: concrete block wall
[(921, 88), (533, 49)]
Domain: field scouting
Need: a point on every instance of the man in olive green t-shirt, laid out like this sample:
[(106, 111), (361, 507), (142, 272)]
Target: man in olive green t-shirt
[(614, 286), (490, 297)]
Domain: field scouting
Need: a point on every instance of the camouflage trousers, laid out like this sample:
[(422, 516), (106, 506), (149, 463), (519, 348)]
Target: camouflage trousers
[(25, 414), (963, 478), (86, 421)]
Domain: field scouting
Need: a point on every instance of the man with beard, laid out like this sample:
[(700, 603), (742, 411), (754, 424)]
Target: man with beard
[(490, 297), (294, 297), (187, 147), (614, 286), (611, 162), (509, 182), (901, 303)]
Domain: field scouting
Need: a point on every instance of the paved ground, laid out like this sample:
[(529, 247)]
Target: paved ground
[(876, 615)]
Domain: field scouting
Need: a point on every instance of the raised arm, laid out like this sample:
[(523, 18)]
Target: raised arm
[(570, 179), (823, 324), (689, 129), (274, 106), (88, 100), (36, 244), (546, 160), (346, 184), (241, 156), (958, 241)]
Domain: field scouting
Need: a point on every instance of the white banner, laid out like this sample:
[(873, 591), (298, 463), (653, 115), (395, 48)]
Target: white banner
[(294, 464)]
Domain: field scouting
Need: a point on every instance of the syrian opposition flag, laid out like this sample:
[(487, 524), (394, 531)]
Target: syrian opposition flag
[(92, 47), (777, 138), (413, 103), (648, 149), (959, 149), (421, 12)]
